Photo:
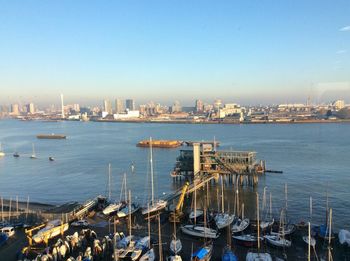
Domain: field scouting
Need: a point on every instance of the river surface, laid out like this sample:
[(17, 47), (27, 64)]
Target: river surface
[(315, 158)]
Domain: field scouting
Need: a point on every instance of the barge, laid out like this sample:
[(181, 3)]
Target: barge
[(51, 136), (160, 143)]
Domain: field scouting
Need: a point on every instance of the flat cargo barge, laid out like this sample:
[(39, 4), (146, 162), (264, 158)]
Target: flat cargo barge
[(160, 143), (51, 136)]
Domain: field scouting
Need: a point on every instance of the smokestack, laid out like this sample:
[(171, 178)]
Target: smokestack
[(62, 106)]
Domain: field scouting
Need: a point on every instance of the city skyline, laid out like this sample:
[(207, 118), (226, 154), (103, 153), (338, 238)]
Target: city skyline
[(257, 52)]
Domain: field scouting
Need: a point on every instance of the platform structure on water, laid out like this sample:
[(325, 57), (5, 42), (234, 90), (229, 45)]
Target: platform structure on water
[(205, 160)]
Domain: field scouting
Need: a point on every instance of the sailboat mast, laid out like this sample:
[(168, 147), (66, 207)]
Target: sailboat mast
[(129, 213), (125, 186), (109, 181), (160, 241), (149, 227), (222, 196), (330, 235), (257, 218), (286, 194), (151, 164), (195, 201), (270, 206), (309, 243)]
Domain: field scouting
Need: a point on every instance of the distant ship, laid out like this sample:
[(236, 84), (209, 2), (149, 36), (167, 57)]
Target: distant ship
[(51, 136)]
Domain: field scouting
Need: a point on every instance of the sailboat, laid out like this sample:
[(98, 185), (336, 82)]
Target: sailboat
[(33, 156), (195, 213), (2, 153), (240, 223), (156, 205), (175, 244), (267, 221), (310, 240), (114, 207), (199, 230), (258, 256), (344, 237), (126, 209), (223, 219), (133, 251), (279, 240), (149, 255)]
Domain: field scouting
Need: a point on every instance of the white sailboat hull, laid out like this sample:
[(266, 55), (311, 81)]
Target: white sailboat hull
[(175, 246), (111, 208), (223, 220), (148, 256), (157, 206), (199, 231), (344, 237), (240, 225), (49, 232), (258, 257), (277, 241), (312, 240)]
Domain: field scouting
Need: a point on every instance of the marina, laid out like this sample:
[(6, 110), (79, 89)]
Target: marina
[(213, 175)]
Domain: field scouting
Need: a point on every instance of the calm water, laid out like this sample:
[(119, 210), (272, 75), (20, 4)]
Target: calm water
[(314, 158)]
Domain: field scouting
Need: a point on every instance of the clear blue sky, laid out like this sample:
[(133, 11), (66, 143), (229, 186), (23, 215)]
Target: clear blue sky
[(240, 51)]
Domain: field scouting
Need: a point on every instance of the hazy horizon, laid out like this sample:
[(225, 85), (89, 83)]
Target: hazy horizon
[(257, 52)]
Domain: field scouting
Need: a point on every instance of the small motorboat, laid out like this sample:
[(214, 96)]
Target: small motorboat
[(277, 241), (312, 240), (51, 158), (223, 220), (344, 237), (258, 257), (16, 155), (199, 231), (247, 240), (240, 225), (204, 253)]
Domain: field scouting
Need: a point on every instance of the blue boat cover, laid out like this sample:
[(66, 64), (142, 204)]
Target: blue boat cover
[(201, 253), (3, 238), (229, 256)]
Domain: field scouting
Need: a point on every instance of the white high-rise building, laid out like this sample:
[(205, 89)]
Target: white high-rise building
[(62, 107), (119, 106)]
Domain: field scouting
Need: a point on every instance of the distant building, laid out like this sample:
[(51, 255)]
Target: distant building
[(15, 109), (30, 108), (231, 110), (130, 104), (176, 107), (119, 106), (217, 104), (199, 106), (339, 104), (107, 107), (76, 107), (127, 115)]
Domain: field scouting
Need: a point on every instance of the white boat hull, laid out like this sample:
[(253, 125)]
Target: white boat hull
[(278, 241), (223, 220), (240, 225), (199, 231), (258, 257), (157, 206)]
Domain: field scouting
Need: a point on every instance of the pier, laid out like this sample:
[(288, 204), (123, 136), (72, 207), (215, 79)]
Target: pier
[(205, 161)]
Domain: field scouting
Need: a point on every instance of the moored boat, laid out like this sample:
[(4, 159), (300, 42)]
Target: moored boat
[(344, 237), (223, 220), (277, 241), (199, 231), (204, 253), (258, 257), (240, 225), (52, 229), (248, 240)]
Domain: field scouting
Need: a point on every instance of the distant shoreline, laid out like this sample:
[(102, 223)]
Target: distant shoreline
[(222, 122)]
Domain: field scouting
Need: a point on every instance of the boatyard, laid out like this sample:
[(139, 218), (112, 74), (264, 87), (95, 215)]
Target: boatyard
[(207, 216)]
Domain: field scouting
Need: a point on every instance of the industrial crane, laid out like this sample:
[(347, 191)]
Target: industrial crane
[(177, 213)]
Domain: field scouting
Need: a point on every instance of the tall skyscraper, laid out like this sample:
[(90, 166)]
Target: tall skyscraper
[(107, 106), (30, 108), (62, 107), (119, 107), (15, 109), (217, 104), (176, 107), (199, 106), (130, 104)]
